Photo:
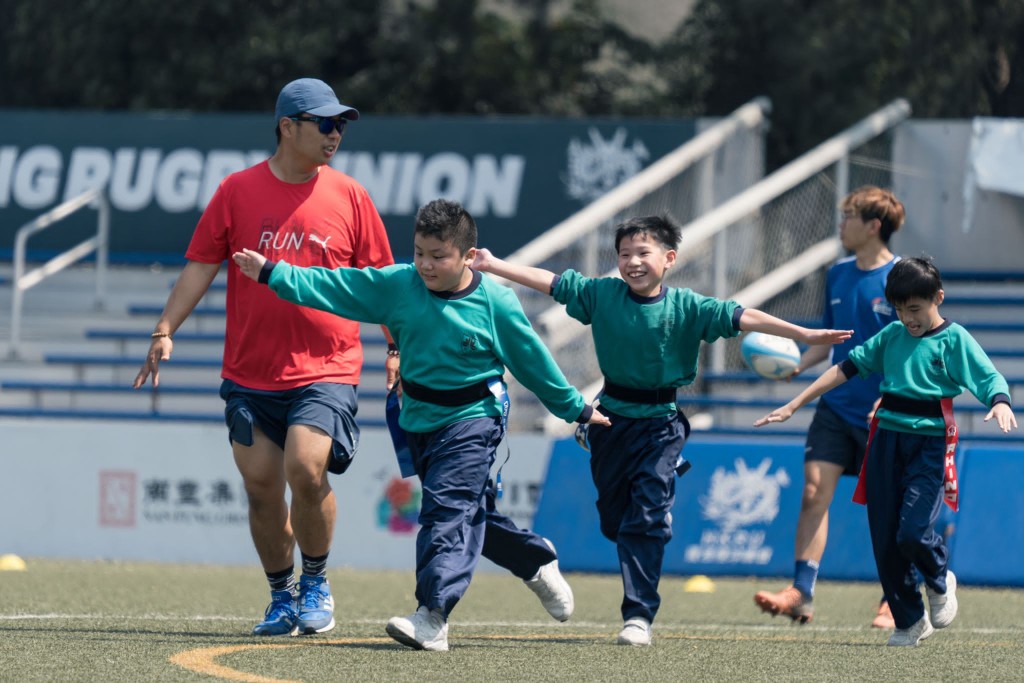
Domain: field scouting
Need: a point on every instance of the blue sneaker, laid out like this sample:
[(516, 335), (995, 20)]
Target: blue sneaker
[(316, 605), (281, 616)]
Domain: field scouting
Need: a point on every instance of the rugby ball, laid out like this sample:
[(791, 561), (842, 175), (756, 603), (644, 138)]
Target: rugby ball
[(770, 356)]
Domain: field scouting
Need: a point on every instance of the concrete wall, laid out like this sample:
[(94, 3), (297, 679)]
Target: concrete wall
[(170, 493)]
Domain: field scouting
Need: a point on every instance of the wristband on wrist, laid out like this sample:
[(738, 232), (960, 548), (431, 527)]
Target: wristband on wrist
[(157, 335), (393, 350)]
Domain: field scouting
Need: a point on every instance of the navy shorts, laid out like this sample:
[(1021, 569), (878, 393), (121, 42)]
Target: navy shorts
[(830, 438), (331, 407)]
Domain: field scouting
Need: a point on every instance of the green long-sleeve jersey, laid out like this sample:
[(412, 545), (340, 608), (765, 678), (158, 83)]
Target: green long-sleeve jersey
[(941, 364), (645, 343), (447, 340)]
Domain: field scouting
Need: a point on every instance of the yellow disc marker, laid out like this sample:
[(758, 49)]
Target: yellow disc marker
[(12, 563), (699, 584)]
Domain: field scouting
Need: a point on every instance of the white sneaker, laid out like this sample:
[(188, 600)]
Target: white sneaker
[(636, 631), (552, 589), (911, 637), (943, 605), (424, 629)]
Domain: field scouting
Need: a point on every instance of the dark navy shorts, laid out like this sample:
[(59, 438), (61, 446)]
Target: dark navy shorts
[(830, 438), (331, 407)]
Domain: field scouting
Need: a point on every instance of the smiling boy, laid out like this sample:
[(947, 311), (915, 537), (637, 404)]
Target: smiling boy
[(910, 467), (647, 337), (457, 332)]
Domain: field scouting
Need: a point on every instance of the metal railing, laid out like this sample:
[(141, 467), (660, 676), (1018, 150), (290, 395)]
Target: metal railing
[(98, 243)]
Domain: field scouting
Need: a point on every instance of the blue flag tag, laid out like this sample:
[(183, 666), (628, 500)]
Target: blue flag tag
[(583, 436), (497, 387), (392, 409)]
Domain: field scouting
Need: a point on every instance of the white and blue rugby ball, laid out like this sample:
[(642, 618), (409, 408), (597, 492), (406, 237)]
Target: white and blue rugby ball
[(770, 356)]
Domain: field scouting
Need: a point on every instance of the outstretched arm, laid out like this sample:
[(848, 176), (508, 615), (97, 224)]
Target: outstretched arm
[(754, 320), (528, 276), (830, 379)]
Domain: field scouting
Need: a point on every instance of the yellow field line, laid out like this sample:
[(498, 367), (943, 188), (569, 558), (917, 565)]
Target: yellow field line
[(203, 660)]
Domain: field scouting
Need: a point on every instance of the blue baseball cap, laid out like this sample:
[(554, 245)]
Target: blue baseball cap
[(311, 96)]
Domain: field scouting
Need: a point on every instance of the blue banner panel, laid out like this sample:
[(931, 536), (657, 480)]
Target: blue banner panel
[(735, 511), (848, 555), (988, 537), (566, 512)]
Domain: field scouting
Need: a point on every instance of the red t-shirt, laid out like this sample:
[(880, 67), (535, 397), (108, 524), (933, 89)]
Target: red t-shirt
[(329, 221)]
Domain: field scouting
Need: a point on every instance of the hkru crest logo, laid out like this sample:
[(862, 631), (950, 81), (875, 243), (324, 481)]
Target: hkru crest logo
[(596, 168), (735, 501)]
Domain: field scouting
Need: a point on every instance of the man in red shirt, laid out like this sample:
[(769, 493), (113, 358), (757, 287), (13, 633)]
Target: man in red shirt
[(290, 373)]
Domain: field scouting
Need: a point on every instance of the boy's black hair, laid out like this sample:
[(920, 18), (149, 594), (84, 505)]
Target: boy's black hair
[(912, 278), (448, 222), (661, 229)]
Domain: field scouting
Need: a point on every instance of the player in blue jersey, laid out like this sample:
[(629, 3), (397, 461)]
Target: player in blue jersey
[(909, 469), (458, 331), (647, 337), (836, 439)]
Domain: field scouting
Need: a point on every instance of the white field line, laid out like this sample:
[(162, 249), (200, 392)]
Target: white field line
[(668, 627)]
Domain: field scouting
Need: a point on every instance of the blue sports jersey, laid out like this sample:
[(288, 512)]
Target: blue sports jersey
[(855, 300)]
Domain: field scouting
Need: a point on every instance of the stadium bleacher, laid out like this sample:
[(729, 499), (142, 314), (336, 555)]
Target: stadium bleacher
[(84, 368), (79, 360)]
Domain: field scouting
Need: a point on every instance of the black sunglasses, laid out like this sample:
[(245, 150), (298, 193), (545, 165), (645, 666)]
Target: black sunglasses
[(325, 124)]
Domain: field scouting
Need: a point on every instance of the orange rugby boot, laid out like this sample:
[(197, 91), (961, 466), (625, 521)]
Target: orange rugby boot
[(789, 602)]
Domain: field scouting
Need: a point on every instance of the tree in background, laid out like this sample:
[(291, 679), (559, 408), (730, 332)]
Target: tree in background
[(824, 63), (216, 55), (455, 57)]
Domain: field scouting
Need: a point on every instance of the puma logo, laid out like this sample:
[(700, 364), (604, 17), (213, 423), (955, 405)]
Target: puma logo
[(322, 242)]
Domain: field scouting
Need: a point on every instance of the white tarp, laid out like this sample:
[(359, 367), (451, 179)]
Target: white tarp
[(995, 161)]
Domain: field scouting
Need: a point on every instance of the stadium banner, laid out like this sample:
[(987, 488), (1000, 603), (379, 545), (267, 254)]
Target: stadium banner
[(987, 540), (735, 513), (518, 176), (170, 493)]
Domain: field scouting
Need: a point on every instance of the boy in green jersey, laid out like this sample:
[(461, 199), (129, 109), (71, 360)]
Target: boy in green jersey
[(909, 469), (457, 332), (647, 337)]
